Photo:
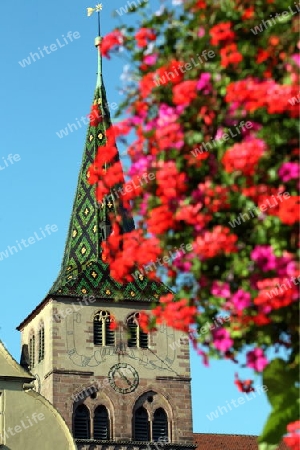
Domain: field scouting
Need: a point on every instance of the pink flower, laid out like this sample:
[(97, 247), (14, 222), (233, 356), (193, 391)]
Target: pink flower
[(204, 83), (167, 115), (264, 257), (241, 300), (219, 133), (201, 32), (141, 166), (205, 359), (150, 59), (183, 266), (256, 359), (265, 309), (183, 261), (285, 266), (222, 340), (296, 59), (220, 289), (234, 106), (289, 171), (170, 136), (144, 205), (151, 125)]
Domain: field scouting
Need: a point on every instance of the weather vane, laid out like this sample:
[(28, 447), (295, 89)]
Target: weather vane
[(97, 9)]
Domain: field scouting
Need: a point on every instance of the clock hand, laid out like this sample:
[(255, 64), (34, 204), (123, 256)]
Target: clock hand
[(124, 377)]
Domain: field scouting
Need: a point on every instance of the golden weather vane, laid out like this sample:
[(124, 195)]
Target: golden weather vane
[(97, 9)]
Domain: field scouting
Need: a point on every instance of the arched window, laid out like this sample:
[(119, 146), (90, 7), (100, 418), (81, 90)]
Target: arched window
[(41, 342), (82, 423), (141, 425), (103, 335), (32, 351), (160, 424), (137, 337), (101, 424)]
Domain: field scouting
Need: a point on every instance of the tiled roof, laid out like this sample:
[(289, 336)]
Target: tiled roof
[(228, 442)]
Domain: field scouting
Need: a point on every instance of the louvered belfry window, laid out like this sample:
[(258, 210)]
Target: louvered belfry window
[(141, 425), (32, 351), (41, 343), (133, 331), (160, 424), (82, 423), (101, 424), (137, 338), (103, 335)]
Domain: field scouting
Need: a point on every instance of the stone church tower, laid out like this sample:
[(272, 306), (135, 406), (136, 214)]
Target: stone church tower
[(118, 388)]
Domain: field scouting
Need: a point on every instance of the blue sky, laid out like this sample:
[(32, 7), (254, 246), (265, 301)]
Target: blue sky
[(38, 186)]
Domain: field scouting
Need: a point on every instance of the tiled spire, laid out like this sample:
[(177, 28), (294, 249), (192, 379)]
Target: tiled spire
[(83, 272)]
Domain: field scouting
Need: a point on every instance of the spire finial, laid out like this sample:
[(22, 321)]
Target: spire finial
[(97, 9)]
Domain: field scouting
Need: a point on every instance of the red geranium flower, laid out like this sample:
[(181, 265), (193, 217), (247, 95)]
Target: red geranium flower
[(185, 92), (221, 32), (170, 73), (143, 35), (244, 157), (262, 55), (95, 116), (230, 55), (215, 242), (244, 385), (293, 441), (201, 4), (171, 183), (161, 220), (94, 173), (147, 84), (248, 13), (289, 210), (111, 40), (177, 314)]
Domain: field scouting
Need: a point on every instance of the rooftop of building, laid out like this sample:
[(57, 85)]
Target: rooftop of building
[(206, 441)]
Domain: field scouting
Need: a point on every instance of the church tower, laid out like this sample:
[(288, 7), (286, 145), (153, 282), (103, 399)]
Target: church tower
[(118, 388)]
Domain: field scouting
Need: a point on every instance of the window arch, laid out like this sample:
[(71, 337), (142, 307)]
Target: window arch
[(160, 424), (141, 425), (82, 423), (152, 418), (137, 337), (101, 424), (103, 335), (41, 355), (32, 350)]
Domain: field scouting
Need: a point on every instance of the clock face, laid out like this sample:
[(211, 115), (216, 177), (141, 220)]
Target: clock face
[(123, 378)]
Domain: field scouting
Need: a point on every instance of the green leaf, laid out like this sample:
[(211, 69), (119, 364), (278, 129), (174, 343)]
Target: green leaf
[(284, 398), (278, 378), (278, 420), (265, 446)]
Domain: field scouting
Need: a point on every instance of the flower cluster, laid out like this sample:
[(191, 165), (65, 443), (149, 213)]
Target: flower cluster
[(177, 314), (183, 101)]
